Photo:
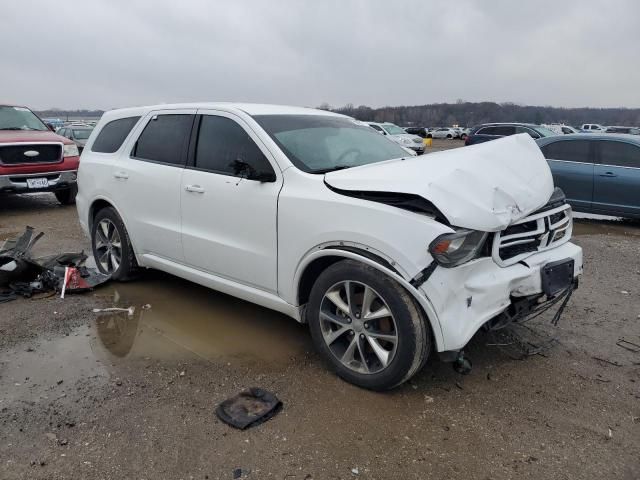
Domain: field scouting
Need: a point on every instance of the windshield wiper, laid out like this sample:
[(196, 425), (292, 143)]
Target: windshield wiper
[(332, 169)]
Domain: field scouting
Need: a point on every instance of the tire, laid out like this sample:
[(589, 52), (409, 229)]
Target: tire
[(119, 262), (344, 338), (68, 195), (463, 136), (429, 135), (449, 136)]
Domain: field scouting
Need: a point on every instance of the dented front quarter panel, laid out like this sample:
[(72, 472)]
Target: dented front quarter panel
[(481, 187)]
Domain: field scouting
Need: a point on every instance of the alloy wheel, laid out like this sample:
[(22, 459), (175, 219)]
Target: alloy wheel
[(108, 246), (358, 327)]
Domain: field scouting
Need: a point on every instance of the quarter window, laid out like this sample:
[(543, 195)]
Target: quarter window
[(113, 134), (165, 139), (568, 150), (225, 147), (620, 154)]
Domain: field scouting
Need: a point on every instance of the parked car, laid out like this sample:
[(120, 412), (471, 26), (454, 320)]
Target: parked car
[(77, 134), (398, 135), (593, 127), (449, 133), (560, 129), (33, 158), (317, 216), (422, 132), (491, 131), (599, 173), (618, 129)]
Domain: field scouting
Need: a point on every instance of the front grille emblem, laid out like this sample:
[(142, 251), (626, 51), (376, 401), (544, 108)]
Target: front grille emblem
[(31, 153)]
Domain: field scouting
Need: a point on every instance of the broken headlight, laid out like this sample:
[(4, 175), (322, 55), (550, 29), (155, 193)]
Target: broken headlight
[(453, 249)]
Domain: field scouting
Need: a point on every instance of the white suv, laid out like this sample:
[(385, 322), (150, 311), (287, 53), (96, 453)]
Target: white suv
[(385, 255)]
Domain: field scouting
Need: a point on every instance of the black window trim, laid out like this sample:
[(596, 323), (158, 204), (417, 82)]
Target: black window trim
[(598, 151), (124, 141), (183, 162), (193, 143)]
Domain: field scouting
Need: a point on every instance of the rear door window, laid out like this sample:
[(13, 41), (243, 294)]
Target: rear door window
[(113, 134), (619, 154), (225, 147), (568, 150), (165, 139)]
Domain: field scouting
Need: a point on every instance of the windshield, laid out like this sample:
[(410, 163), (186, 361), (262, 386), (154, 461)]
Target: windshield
[(392, 129), (321, 143), (545, 132), (82, 134), (19, 118)]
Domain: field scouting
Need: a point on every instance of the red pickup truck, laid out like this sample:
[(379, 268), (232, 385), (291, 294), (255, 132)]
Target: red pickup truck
[(33, 158)]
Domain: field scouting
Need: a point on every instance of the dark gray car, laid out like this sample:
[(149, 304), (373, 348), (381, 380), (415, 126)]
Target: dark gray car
[(79, 134), (599, 173)]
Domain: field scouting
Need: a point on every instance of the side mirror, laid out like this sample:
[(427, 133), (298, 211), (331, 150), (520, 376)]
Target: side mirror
[(243, 169), (265, 177)]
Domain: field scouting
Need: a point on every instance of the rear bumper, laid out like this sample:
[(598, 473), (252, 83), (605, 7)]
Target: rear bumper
[(17, 183), (466, 297)]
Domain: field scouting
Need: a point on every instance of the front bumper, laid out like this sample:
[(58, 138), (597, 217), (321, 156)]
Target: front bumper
[(417, 147), (17, 183), (466, 297)]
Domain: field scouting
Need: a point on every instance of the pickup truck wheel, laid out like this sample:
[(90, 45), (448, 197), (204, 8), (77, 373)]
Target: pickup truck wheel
[(367, 326), (112, 248), (68, 195)]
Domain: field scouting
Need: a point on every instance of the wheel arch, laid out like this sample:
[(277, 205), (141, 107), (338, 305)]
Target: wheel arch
[(317, 261), (101, 203)]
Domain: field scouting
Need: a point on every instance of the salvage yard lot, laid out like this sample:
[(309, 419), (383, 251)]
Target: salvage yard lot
[(88, 396)]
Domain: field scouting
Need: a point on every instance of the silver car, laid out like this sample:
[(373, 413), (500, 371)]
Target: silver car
[(398, 135)]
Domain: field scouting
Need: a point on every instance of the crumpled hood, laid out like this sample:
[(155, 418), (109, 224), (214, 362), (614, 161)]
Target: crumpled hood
[(482, 187)]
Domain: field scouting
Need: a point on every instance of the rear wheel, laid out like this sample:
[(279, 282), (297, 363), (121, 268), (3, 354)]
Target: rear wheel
[(366, 326), (68, 195), (449, 136), (112, 248)]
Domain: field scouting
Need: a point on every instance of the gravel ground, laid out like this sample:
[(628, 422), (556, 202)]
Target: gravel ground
[(90, 397)]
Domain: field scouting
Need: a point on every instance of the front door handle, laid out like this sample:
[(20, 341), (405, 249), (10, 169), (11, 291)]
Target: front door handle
[(608, 174), (121, 175), (194, 188)]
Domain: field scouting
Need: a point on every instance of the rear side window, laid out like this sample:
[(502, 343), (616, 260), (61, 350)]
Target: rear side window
[(619, 154), (113, 134), (568, 150), (165, 139), (223, 146)]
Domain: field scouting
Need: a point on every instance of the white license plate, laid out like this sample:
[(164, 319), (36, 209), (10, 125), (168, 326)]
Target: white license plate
[(37, 182)]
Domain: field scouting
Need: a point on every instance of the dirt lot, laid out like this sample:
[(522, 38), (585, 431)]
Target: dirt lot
[(90, 397)]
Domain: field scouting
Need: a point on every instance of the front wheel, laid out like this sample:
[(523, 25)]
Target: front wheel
[(449, 136), (366, 326), (112, 248)]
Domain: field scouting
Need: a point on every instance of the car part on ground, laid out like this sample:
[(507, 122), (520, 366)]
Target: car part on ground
[(22, 275), (249, 408), (325, 213)]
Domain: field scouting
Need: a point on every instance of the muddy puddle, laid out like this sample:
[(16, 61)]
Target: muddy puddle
[(184, 322), (184, 319)]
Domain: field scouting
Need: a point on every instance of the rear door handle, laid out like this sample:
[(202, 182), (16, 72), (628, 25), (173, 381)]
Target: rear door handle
[(194, 188), (121, 175), (608, 174)]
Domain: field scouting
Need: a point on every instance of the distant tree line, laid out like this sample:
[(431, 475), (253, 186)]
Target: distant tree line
[(468, 114)]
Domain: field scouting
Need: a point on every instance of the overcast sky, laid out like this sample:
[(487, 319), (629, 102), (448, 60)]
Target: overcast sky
[(114, 53)]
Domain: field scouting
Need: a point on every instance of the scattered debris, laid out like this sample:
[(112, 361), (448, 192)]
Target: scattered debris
[(249, 408), (146, 306), (624, 292), (129, 311), (355, 471), (627, 345), (615, 364), (609, 434), (22, 275)]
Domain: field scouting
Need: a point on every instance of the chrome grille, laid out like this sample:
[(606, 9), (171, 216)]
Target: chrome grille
[(535, 233)]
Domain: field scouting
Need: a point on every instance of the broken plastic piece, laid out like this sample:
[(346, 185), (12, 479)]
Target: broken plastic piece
[(129, 311), (249, 408)]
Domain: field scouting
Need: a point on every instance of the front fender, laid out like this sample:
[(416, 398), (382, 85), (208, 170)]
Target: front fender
[(422, 300)]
